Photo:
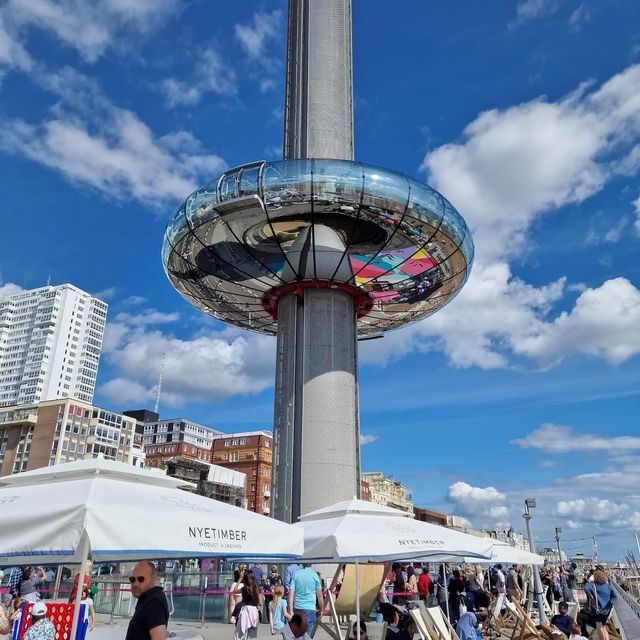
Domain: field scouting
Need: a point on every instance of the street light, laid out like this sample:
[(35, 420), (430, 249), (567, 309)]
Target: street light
[(558, 532), (529, 504)]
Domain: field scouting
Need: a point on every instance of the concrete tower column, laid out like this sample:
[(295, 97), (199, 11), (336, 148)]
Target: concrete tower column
[(318, 119), (316, 424)]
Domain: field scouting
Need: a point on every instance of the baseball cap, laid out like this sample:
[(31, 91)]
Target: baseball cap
[(39, 609)]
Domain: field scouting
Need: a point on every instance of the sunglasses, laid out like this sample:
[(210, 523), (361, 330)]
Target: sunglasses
[(132, 579)]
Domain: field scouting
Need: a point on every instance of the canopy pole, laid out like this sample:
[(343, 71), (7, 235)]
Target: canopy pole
[(357, 602), (446, 589), (83, 553)]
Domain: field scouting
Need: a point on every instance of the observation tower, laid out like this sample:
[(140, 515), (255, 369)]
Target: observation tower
[(320, 251)]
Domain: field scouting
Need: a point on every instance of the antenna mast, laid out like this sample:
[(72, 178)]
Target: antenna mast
[(159, 387)]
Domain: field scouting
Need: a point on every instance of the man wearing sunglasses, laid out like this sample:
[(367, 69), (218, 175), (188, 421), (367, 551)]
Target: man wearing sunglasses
[(150, 619)]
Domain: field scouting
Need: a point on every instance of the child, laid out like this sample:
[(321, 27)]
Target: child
[(89, 611), (575, 632), (278, 614)]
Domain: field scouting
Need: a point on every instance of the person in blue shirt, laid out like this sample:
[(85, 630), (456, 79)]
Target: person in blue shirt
[(563, 620), (278, 613), (599, 597), (289, 572), (304, 592)]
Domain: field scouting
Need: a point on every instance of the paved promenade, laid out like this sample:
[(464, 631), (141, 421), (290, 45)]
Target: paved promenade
[(211, 630)]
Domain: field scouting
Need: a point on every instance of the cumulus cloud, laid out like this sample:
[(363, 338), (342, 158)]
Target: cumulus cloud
[(91, 27), (511, 167), (206, 367), (94, 143), (254, 37), (8, 289), (636, 225), (210, 74), (555, 438), (515, 165), (480, 502), (590, 509), (603, 323)]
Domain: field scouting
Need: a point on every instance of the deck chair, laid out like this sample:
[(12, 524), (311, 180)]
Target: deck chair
[(421, 626), (573, 609), (437, 625), (497, 621), (524, 628), (343, 604)]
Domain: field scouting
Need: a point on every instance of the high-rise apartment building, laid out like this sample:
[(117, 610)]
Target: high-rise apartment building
[(164, 439), (251, 453), (64, 430), (50, 342)]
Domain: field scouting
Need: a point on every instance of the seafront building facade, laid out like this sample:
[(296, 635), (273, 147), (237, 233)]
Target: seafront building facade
[(63, 430), (387, 491), (251, 453), (165, 439), (50, 343)]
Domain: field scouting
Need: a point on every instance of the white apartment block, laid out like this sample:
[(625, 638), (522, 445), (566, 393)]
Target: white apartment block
[(179, 430), (50, 342)]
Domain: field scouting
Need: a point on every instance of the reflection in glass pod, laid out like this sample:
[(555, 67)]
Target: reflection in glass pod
[(235, 243)]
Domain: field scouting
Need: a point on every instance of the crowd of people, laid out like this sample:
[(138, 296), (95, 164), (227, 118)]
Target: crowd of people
[(33, 585), (291, 603)]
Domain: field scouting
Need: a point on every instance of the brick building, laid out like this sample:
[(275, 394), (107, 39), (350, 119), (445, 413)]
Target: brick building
[(64, 430), (251, 453)]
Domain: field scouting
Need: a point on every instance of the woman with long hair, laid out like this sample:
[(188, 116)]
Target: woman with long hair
[(235, 594), (248, 618), (599, 595)]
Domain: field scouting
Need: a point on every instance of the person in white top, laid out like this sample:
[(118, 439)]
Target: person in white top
[(89, 610)]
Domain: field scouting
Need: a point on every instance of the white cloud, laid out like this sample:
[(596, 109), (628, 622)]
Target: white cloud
[(532, 9), (511, 167), (92, 142), (491, 316), (603, 323), (517, 164), (207, 367), (590, 509), (8, 289), (579, 17), (555, 438), (254, 37), (636, 225), (89, 26), (480, 502), (12, 54), (211, 74), (105, 294), (367, 439)]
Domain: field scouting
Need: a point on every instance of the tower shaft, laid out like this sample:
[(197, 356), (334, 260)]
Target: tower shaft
[(316, 425), (319, 91)]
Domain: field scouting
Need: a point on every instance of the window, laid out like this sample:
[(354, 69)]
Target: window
[(243, 441), (233, 456), (227, 443)]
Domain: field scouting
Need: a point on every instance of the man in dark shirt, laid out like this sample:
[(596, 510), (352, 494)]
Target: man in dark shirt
[(150, 619), (562, 620)]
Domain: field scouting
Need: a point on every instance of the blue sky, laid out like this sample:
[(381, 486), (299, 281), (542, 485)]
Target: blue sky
[(526, 115)]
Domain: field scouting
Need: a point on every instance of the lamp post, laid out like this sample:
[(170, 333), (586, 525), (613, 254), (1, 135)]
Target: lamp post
[(558, 532), (529, 504)]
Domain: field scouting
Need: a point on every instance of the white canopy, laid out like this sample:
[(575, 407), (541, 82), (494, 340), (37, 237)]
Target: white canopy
[(364, 531), (501, 553), (125, 514)]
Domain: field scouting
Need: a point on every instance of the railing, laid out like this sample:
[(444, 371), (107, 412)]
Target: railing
[(191, 596), (627, 610)]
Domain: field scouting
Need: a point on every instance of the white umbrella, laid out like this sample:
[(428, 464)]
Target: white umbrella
[(117, 512), (364, 531), (360, 531), (501, 553), (127, 515)]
